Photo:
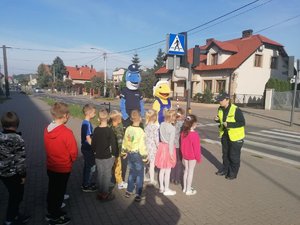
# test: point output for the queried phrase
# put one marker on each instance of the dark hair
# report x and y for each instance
(10, 119)
(188, 123)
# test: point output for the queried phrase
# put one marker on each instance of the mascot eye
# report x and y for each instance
(159, 86)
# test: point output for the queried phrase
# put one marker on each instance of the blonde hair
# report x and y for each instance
(87, 108)
(135, 116)
(103, 114)
(114, 115)
(59, 110)
(180, 111)
(170, 115)
(151, 116)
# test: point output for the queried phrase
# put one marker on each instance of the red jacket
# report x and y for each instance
(61, 148)
(190, 146)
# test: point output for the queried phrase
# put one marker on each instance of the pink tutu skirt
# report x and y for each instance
(163, 159)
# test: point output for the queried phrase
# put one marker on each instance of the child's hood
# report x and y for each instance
(53, 129)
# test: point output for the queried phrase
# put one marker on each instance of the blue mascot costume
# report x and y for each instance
(131, 96)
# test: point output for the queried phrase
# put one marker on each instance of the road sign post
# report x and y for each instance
(295, 92)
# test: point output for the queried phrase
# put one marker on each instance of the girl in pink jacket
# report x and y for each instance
(191, 152)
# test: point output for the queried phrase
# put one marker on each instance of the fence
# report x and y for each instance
(249, 100)
(284, 100)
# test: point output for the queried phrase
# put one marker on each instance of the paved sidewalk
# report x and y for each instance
(266, 191)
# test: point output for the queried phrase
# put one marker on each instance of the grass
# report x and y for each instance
(75, 110)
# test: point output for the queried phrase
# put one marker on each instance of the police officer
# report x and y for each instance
(232, 132)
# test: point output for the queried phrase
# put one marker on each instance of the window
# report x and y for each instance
(221, 86)
(208, 85)
(214, 59)
(258, 60)
(274, 62)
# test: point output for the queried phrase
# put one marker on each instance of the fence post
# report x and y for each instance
(268, 99)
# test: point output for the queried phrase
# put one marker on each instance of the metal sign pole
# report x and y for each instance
(295, 92)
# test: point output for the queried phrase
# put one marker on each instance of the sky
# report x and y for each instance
(80, 31)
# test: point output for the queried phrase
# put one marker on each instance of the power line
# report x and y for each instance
(194, 28)
(276, 24)
(48, 50)
(231, 17)
(145, 46)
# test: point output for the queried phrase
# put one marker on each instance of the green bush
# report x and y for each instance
(279, 85)
(207, 96)
(198, 97)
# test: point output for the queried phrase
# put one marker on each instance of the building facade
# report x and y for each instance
(241, 67)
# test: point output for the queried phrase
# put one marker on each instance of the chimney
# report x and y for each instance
(92, 67)
(247, 33)
(76, 67)
(209, 40)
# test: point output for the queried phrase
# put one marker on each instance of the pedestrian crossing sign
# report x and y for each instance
(176, 44)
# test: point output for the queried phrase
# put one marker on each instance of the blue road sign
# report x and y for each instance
(176, 44)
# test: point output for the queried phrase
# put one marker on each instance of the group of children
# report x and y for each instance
(109, 149)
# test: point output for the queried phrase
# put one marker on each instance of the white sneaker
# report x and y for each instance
(122, 185)
(146, 179)
(63, 205)
(169, 192)
(153, 182)
(161, 191)
(184, 190)
(66, 197)
(191, 192)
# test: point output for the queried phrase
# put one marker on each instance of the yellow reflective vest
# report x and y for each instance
(235, 134)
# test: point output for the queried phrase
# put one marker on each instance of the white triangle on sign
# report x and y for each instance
(176, 45)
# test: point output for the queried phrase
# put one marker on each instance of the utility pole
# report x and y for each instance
(5, 71)
(105, 68)
(105, 61)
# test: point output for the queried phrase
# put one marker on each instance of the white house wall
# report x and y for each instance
(251, 80)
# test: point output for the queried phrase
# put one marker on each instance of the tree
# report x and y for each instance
(97, 83)
(136, 60)
(148, 80)
(159, 61)
(44, 78)
(58, 68)
(68, 84)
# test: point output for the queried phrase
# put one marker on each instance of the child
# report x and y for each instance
(117, 127)
(191, 152)
(134, 148)
(61, 152)
(104, 144)
(12, 166)
(88, 155)
(152, 140)
(166, 154)
(177, 172)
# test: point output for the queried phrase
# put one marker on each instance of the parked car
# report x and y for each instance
(38, 90)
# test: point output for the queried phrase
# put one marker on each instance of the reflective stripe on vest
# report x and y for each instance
(234, 134)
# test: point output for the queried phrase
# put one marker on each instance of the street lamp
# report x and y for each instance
(105, 61)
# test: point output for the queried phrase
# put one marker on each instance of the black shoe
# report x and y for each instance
(230, 177)
(59, 221)
(137, 198)
(221, 173)
(89, 189)
(21, 219)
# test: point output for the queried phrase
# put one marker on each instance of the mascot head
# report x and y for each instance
(133, 77)
(162, 89)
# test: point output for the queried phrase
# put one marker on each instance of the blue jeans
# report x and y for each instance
(136, 173)
(89, 167)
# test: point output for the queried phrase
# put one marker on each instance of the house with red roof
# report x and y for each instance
(81, 74)
(241, 67)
